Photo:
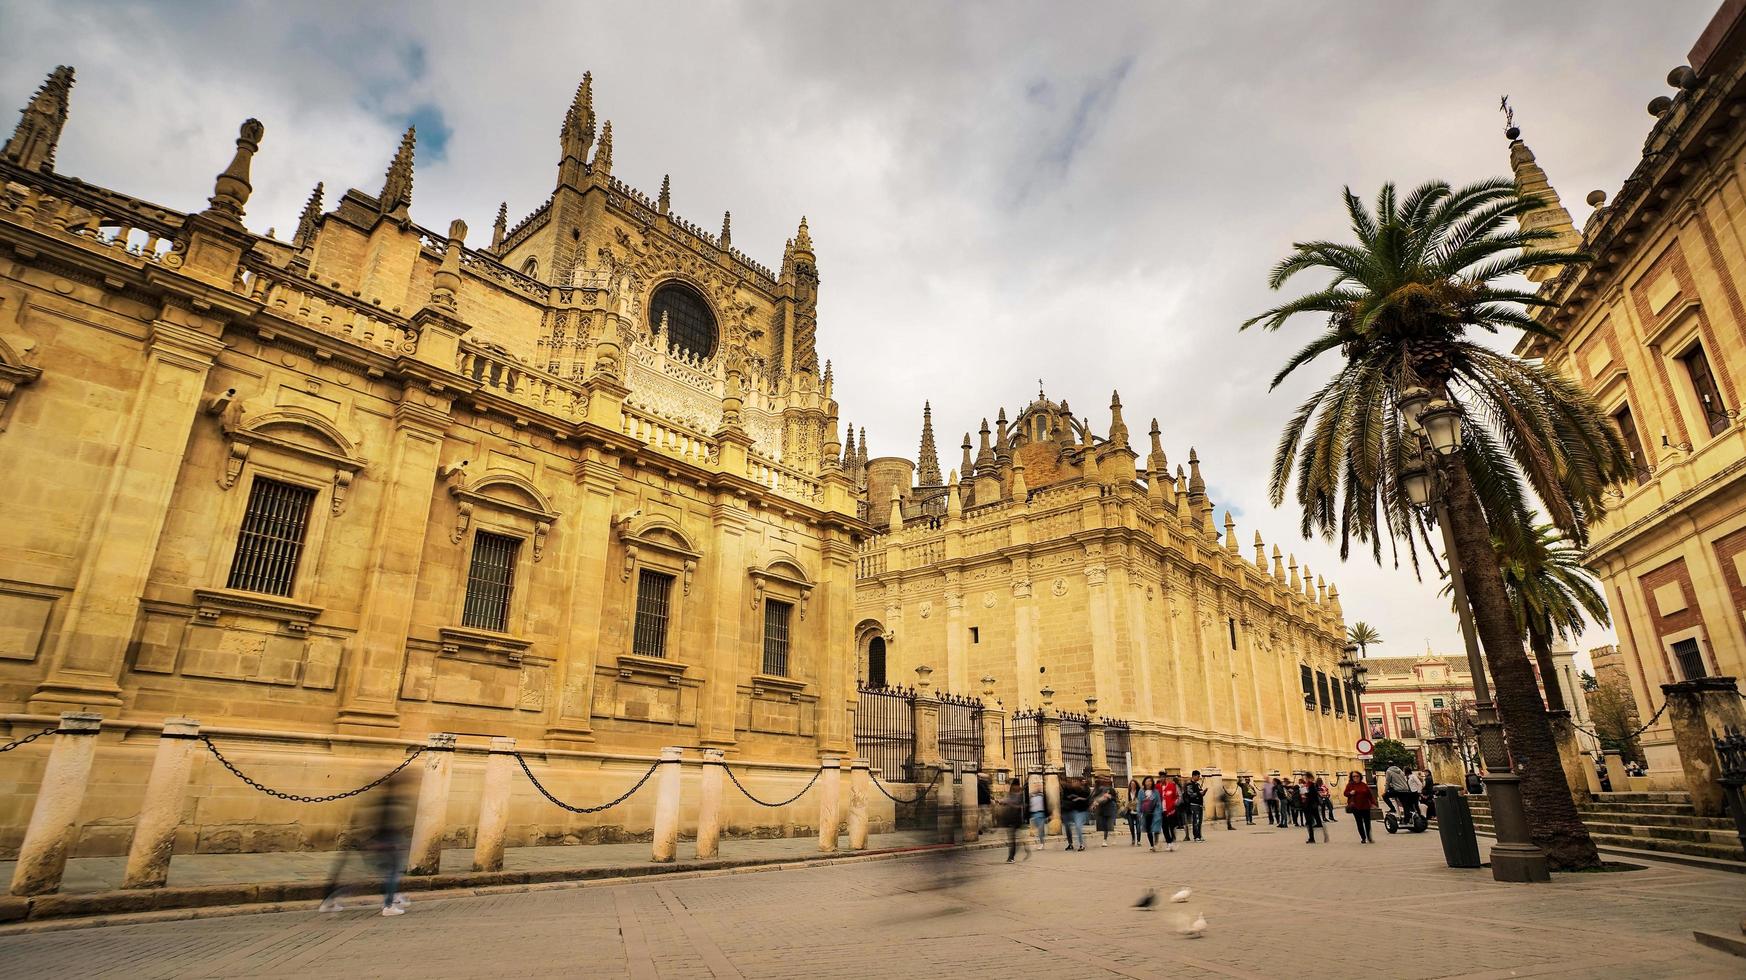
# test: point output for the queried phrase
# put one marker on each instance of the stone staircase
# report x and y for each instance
(1660, 822)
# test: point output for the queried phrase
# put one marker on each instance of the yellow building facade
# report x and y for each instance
(1655, 328)
(1048, 561)
(580, 487)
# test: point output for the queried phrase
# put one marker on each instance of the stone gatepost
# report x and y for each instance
(494, 805)
(1696, 709)
(1444, 762)
(860, 795)
(1616, 772)
(425, 856)
(925, 718)
(1570, 756)
(1049, 725)
(969, 804)
(709, 804)
(54, 821)
(160, 813)
(1094, 732)
(664, 843)
(830, 787)
(993, 733)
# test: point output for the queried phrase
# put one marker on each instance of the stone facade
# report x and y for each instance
(1048, 560)
(328, 495)
(1655, 328)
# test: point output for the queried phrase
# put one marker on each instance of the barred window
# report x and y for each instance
(1322, 690)
(690, 325)
(653, 591)
(776, 617)
(1309, 686)
(1690, 659)
(490, 580)
(271, 541)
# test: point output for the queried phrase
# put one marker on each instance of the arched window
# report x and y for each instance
(531, 268)
(876, 662)
(690, 325)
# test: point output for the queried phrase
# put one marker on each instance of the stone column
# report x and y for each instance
(1444, 762)
(1049, 724)
(588, 536)
(957, 660)
(664, 844)
(860, 794)
(970, 804)
(1695, 710)
(1570, 755)
(91, 643)
(54, 820)
(160, 813)
(494, 805)
(377, 654)
(709, 804)
(830, 787)
(993, 732)
(836, 626)
(425, 856)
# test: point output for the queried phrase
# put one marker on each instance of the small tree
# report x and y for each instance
(1391, 752)
(1614, 713)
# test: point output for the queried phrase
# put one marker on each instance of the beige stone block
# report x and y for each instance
(1669, 598)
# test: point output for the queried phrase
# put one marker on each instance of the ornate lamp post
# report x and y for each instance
(1437, 425)
(1353, 673)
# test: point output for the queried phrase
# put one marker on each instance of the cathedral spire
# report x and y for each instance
(232, 188)
(500, 227)
(602, 165)
(1260, 552)
(985, 454)
(577, 136)
(862, 462)
(307, 221)
(1531, 181)
(803, 238)
(968, 466)
(1118, 429)
(1003, 440)
(849, 450)
(1156, 462)
(928, 460)
(33, 142)
(396, 194)
(727, 229)
(665, 203)
(1196, 485)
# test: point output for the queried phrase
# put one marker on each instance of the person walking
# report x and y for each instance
(1076, 809)
(1194, 805)
(1103, 806)
(1131, 811)
(1010, 812)
(1310, 803)
(1149, 804)
(1360, 800)
(1324, 800)
(1171, 798)
(1291, 804)
(1038, 809)
(1247, 789)
(1270, 798)
(384, 824)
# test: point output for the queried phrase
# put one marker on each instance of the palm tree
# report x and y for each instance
(1362, 634)
(1400, 309)
(1552, 595)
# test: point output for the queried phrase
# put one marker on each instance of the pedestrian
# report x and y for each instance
(1228, 800)
(1428, 795)
(1311, 806)
(1360, 800)
(1400, 792)
(1103, 806)
(1247, 788)
(1075, 809)
(1009, 814)
(1194, 805)
(1324, 800)
(1131, 811)
(1038, 809)
(383, 823)
(1292, 804)
(1148, 803)
(1170, 796)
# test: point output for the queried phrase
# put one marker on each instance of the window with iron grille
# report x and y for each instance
(776, 616)
(1691, 659)
(1309, 686)
(1627, 424)
(1703, 382)
(1351, 700)
(490, 579)
(653, 591)
(690, 325)
(1407, 726)
(1322, 690)
(271, 541)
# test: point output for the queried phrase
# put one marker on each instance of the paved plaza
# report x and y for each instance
(1274, 907)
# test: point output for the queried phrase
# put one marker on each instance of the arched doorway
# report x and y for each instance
(876, 662)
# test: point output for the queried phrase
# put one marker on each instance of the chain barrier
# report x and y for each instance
(1646, 725)
(295, 798)
(584, 809)
(26, 740)
(736, 781)
(918, 797)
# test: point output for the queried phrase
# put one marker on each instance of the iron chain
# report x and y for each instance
(585, 809)
(929, 788)
(26, 740)
(1646, 725)
(754, 799)
(296, 798)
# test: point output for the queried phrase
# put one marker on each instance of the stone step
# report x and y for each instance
(1612, 815)
(1729, 851)
(1666, 797)
(1610, 807)
(1698, 834)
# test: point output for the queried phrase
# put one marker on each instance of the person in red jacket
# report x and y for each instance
(1172, 794)
(1360, 799)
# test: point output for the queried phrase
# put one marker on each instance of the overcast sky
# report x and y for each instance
(1087, 194)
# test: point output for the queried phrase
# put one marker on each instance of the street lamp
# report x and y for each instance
(1437, 425)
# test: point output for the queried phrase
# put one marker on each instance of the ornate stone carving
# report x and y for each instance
(1060, 587)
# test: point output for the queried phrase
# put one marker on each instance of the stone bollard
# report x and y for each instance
(1616, 772)
(425, 856)
(55, 819)
(664, 845)
(970, 805)
(860, 794)
(494, 805)
(1695, 710)
(830, 786)
(709, 804)
(160, 813)
(1052, 798)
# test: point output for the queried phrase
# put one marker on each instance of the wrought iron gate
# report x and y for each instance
(1075, 744)
(961, 730)
(885, 731)
(1024, 742)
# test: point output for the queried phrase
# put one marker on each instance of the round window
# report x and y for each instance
(690, 325)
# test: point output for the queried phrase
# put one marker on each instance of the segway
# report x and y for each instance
(1393, 822)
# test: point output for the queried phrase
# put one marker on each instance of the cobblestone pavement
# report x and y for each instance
(1274, 907)
(92, 874)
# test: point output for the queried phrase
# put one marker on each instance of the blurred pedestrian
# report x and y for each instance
(1360, 800)
(1194, 806)
(1010, 812)
(1131, 811)
(1038, 809)
(1104, 803)
(1170, 798)
(1150, 805)
(1075, 809)
(1324, 799)
(1311, 806)
(1270, 796)
(1247, 789)
(383, 825)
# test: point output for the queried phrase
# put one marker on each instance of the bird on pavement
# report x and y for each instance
(1147, 900)
(1195, 929)
(1182, 896)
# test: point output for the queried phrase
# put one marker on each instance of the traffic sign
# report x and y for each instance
(1365, 747)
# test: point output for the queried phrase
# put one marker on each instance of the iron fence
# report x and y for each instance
(1117, 743)
(961, 730)
(885, 730)
(1075, 744)
(1024, 742)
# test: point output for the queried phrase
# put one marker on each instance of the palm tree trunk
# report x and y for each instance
(1542, 646)
(1553, 822)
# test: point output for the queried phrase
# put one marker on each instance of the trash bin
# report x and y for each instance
(1455, 827)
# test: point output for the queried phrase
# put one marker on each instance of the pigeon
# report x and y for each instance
(1195, 929)
(1182, 896)
(1147, 900)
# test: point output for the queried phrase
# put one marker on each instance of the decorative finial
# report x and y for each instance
(727, 229)
(500, 227)
(396, 194)
(33, 142)
(1511, 132)
(803, 238)
(602, 165)
(665, 204)
(231, 190)
(928, 459)
(446, 283)
(307, 221)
